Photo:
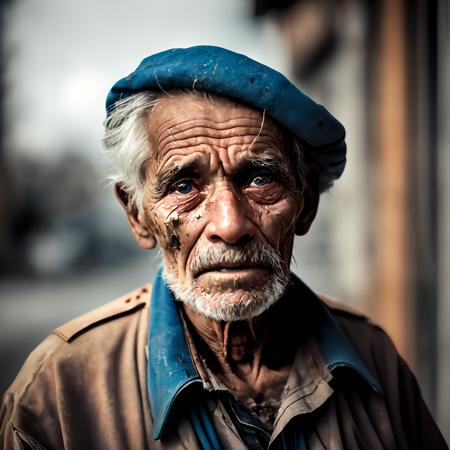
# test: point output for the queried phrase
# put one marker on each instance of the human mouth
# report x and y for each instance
(234, 267)
(233, 277)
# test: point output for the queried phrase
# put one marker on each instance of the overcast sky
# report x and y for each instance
(65, 55)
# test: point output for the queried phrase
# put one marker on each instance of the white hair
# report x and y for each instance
(126, 142)
(231, 304)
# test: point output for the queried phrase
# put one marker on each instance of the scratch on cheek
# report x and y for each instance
(171, 222)
(172, 218)
(174, 242)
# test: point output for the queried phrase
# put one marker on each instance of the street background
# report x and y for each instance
(381, 240)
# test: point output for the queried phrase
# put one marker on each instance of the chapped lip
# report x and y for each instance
(231, 266)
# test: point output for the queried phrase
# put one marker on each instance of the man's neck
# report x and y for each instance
(252, 357)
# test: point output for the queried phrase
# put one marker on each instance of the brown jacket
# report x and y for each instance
(85, 387)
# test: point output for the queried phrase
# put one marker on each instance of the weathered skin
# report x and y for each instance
(222, 206)
(221, 198)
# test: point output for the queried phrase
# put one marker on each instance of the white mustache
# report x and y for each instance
(251, 254)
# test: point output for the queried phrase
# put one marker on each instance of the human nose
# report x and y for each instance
(228, 219)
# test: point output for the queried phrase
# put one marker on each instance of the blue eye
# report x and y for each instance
(184, 187)
(260, 180)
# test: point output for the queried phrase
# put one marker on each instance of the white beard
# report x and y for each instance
(232, 305)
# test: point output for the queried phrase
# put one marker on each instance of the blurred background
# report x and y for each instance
(381, 241)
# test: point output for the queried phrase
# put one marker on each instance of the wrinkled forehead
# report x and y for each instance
(175, 112)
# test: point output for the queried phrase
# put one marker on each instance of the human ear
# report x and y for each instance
(310, 199)
(136, 219)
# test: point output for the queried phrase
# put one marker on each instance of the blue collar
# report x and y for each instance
(170, 366)
(336, 348)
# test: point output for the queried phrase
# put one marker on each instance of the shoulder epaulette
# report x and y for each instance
(123, 305)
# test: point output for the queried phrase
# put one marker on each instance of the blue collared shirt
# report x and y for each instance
(171, 369)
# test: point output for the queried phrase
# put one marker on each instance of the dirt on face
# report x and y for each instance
(220, 175)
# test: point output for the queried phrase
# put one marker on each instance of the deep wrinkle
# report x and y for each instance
(250, 166)
(174, 133)
(211, 160)
(221, 179)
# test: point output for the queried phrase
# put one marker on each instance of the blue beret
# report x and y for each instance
(226, 73)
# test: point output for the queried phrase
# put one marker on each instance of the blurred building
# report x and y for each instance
(391, 225)
(381, 241)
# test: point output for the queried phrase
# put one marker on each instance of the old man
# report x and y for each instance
(220, 160)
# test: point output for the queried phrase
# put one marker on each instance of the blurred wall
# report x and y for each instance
(380, 241)
(383, 68)
(65, 246)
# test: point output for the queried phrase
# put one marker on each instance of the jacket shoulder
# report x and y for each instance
(367, 336)
(358, 327)
(123, 305)
(91, 360)
(340, 309)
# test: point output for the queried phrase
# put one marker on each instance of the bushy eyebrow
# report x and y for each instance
(274, 164)
(166, 177)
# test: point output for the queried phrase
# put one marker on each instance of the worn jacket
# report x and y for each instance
(125, 376)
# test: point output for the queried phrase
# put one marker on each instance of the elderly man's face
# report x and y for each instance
(221, 200)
